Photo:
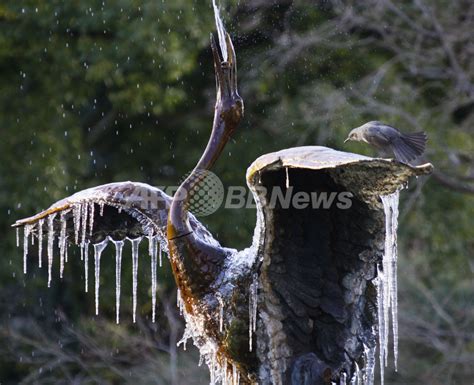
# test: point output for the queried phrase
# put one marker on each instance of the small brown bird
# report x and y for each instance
(406, 147)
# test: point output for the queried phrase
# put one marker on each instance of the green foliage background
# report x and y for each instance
(93, 92)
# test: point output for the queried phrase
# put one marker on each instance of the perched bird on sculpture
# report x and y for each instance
(405, 147)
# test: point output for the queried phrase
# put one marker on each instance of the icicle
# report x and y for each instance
(355, 380)
(391, 253)
(179, 302)
(101, 208)
(381, 321)
(62, 243)
(153, 249)
(40, 242)
(221, 314)
(159, 255)
(66, 257)
(212, 369)
(395, 325)
(17, 237)
(369, 369)
(86, 266)
(184, 339)
(287, 182)
(50, 245)
(224, 372)
(250, 323)
(118, 271)
(76, 212)
(26, 234)
(253, 301)
(84, 212)
(387, 278)
(91, 217)
(212, 379)
(343, 379)
(135, 246)
(235, 375)
(98, 249)
(150, 243)
(390, 286)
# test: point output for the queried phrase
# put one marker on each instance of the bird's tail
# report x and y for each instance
(409, 146)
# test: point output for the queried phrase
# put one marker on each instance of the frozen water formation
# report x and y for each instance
(303, 304)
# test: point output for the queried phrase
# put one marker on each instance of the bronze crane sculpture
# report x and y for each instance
(299, 306)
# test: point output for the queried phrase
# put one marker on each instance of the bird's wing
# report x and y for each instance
(402, 152)
(408, 147)
(379, 138)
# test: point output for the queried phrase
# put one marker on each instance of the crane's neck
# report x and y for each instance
(196, 262)
(225, 121)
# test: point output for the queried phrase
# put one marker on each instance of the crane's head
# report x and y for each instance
(229, 104)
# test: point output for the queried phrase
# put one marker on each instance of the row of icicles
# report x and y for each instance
(83, 216)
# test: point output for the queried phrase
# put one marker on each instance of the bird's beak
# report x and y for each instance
(347, 140)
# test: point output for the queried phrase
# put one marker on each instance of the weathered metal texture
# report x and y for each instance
(317, 306)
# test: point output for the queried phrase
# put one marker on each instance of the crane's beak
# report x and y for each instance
(347, 139)
(226, 71)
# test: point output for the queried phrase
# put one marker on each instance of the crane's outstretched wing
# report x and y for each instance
(116, 210)
(318, 259)
(110, 213)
